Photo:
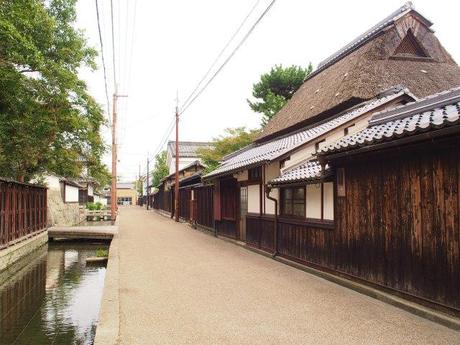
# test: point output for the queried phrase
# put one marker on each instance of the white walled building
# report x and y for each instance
(188, 153)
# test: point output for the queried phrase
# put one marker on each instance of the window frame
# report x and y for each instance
(283, 200)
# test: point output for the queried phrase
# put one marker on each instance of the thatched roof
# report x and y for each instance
(371, 63)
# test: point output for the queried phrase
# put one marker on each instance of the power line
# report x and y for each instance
(103, 63)
(113, 46)
(222, 51)
(185, 106)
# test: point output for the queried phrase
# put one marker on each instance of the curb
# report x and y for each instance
(108, 326)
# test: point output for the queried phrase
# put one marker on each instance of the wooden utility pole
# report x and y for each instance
(148, 189)
(114, 200)
(176, 186)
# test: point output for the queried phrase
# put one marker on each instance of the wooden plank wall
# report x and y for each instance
(184, 203)
(23, 211)
(204, 206)
(397, 226)
(260, 231)
(229, 193)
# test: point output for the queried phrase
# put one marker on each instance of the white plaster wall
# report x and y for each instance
(269, 204)
(183, 162)
(71, 194)
(241, 176)
(300, 155)
(101, 199)
(272, 171)
(328, 196)
(254, 198)
(313, 207)
(53, 182)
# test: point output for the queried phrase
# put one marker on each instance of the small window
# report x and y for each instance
(317, 144)
(340, 182)
(346, 131)
(255, 174)
(293, 201)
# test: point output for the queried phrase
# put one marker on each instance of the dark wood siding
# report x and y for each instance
(204, 206)
(260, 231)
(229, 196)
(397, 225)
(184, 203)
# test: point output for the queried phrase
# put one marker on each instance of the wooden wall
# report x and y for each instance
(397, 226)
(184, 203)
(204, 206)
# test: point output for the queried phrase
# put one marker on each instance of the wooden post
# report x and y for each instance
(113, 205)
(176, 186)
(148, 178)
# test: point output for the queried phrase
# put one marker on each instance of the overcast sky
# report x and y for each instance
(164, 47)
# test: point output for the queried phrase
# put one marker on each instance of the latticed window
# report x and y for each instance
(409, 46)
(293, 201)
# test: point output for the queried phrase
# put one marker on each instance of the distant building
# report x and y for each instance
(126, 193)
(188, 153)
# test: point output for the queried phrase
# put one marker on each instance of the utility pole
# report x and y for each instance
(114, 201)
(148, 189)
(176, 186)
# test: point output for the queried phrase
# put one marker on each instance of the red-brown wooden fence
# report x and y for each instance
(22, 211)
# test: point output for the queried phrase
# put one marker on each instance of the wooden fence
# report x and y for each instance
(22, 211)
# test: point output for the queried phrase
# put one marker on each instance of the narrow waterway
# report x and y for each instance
(52, 296)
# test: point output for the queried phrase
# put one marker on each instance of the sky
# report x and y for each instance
(164, 48)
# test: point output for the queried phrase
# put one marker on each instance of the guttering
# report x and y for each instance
(275, 223)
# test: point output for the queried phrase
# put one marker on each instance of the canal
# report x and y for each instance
(52, 296)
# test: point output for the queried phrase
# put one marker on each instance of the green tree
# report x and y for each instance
(275, 88)
(48, 120)
(233, 140)
(160, 169)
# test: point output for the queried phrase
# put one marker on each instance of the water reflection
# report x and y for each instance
(54, 298)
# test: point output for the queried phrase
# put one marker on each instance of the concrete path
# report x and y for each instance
(181, 286)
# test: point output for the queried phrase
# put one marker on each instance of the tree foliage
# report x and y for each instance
(233, 140)
(48, 120)
(160, 169)
(275, 88)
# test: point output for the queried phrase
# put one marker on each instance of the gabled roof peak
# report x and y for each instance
(368, 35)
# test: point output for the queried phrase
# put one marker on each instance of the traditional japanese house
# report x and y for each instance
(261, 194)
(395, 188)
(188, 153)
(189, 176)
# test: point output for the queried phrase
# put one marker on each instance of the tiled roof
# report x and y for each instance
(188, 148)
(428, 114)
(188, 166)
(258, 154)
(307, 171)
(125, 185)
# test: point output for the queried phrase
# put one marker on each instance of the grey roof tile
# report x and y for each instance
(269, 151)
(307, 171)
(428, 114)
(188, 148)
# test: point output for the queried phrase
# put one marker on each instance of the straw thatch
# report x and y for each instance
(362, 71)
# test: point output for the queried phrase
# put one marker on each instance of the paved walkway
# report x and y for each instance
(181, 286)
